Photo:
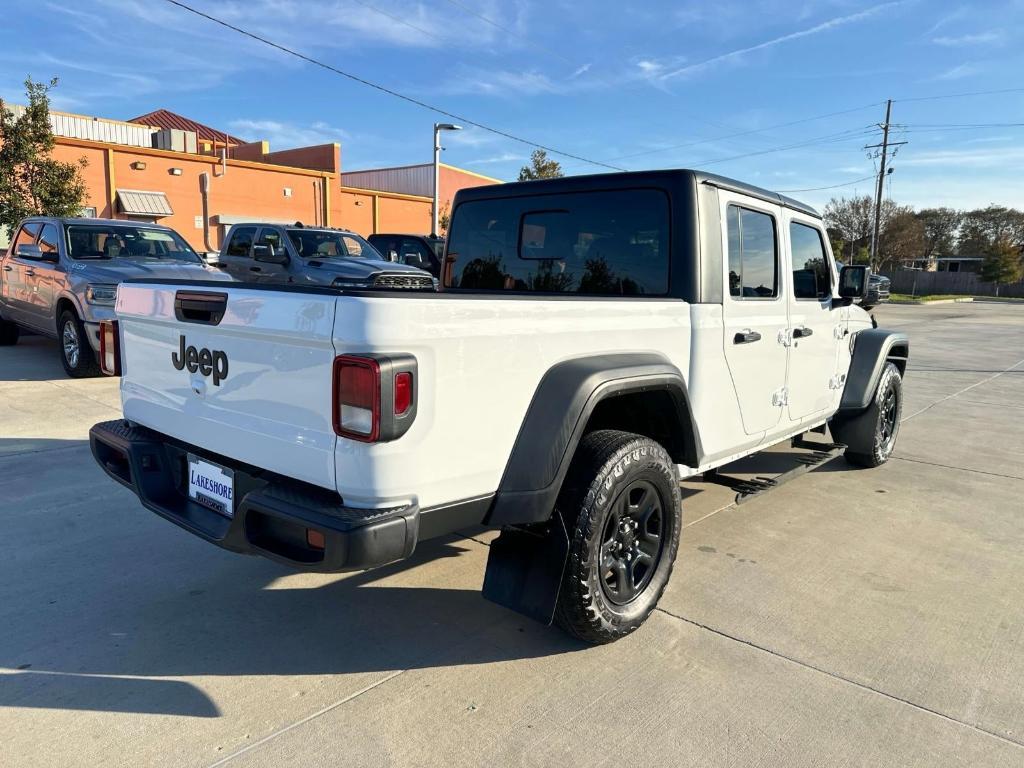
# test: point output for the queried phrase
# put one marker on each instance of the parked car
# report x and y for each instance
(878, 289)
(335, 431)
(59, 278)
(423, 251)
(276, 253)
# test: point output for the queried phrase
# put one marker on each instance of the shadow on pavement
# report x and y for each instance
(33, 358)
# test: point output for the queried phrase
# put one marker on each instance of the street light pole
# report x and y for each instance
(438, 127)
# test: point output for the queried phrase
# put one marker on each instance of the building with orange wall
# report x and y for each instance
(199, 183)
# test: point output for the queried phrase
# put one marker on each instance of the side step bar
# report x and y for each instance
(749, 488)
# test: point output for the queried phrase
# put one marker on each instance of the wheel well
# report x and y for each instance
(898, 355)
(63, 304)
(654, 414)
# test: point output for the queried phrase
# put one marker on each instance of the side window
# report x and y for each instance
(812, 275)
(48, 239)
(415, 254)
(270, 237)
(753, 254)
(26, 236)
(241, 242)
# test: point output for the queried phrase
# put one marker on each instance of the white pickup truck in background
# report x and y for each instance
(596, 338)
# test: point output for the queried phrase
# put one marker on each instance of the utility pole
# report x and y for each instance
(881, 179)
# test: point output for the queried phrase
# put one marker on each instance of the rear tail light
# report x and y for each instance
(110, 348)
(374, 396)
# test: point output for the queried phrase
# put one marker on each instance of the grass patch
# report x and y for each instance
(906, 298)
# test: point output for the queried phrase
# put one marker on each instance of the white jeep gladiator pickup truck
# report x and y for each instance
(596, 339)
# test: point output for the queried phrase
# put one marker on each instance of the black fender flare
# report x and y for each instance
(873, 348)
(557, 417)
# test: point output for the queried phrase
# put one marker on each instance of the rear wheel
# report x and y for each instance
(622, 506)
(9, 333)
(75, 352)
(870, 437)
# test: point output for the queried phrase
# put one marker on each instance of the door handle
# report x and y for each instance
(802, 333)
(30, 273)
(8, 268)
(746, 337)
(255, 269)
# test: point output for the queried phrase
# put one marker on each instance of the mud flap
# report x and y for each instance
(525, 568)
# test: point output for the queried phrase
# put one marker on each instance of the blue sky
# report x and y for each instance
(636, 85)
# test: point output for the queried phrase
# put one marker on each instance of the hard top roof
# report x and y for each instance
(597, 180)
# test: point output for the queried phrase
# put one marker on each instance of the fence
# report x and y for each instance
(920, 283)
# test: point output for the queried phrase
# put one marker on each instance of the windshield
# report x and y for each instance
(127, 242)
(327, 244)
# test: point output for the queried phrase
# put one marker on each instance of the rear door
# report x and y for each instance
(16, 273)
(237, 256)
(755, 310)
(815, 327)
(241, 372)
(44, 276)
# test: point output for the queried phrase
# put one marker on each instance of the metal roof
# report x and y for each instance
(138, 203)
(164, 118)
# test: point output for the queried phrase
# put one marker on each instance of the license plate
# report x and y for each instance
(211, 485)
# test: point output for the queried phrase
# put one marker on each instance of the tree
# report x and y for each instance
(984, 227)
(903, 239)
(444, 218)
(540, 167)
(851, 220)
(940, 230)
(32, 182)
(1003, 263)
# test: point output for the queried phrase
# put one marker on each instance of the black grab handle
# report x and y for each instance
(205, 308)
(746, 337)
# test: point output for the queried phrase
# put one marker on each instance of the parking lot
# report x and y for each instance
(850, 617)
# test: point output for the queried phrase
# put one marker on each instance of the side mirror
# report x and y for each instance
(29, 251)
(51, 256)
(269, 255)
(853, 282)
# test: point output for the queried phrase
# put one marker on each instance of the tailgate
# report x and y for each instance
(240, 372)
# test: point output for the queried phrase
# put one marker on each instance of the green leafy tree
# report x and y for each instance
(940, 230)
(540, 167)
(31, 181)
(1002, 264)
(983, 228)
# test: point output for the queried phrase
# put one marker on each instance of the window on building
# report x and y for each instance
(812, 274)
(753, 254)
(607, 243)
(241, 242)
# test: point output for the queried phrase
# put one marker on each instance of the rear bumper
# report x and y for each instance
(272, 514)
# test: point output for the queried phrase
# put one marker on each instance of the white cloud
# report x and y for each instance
(960, 71)
(739, 53)
(283, 135)
(978, 38)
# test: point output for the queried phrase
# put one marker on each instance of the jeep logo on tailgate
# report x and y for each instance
(202, 360)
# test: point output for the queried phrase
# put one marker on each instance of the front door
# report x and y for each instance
(816, 328)
(755, 311)
(267, 272)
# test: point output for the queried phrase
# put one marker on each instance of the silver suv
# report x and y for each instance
(59, 278)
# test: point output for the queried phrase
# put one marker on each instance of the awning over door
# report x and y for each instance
(136, 203)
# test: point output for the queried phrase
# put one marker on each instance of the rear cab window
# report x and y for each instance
(600, 243)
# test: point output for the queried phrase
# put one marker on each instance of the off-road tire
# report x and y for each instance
(9, 333)
(870, 436)
(85, 364)
(610, 466)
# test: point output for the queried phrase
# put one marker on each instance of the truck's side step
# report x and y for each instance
(748, 488)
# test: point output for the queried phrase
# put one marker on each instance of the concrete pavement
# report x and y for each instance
(851, 617)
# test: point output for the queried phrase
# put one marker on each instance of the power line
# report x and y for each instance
(833, 186)
(831, 138)
(388, 91)
(961, 95)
